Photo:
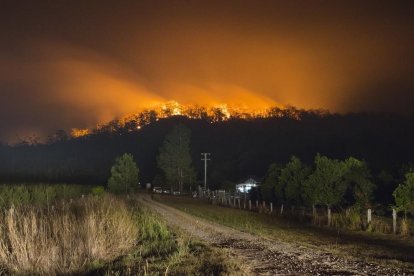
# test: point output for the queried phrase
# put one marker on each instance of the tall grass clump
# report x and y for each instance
(350, 219)
(24, 194)
(67, 238)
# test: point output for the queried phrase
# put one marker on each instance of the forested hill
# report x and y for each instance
(238, 147)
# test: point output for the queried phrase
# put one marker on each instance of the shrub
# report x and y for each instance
(98, 191)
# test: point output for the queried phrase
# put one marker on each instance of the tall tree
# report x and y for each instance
(358, 181)
(386, 184)
(326, 185)
(310, 192)
(174, 158)
(124, 174)
(292, 177)
(270, 188)
(404, 195)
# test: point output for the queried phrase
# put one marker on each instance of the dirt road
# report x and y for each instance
(263, 256)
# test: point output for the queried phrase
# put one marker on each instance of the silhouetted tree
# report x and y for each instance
(292, 177)
(358, 181)
(124, 174)
(217, 115)
(255, 194)
(386, 184)
(228, 186)
(158, 181)
(326, 185)
(174, 158)
(59, 136)
(404, 195)
(271, 188)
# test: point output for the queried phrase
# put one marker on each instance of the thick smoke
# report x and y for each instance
(76, 63)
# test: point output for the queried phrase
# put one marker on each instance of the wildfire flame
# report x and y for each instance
(219, 113)
(79, 132)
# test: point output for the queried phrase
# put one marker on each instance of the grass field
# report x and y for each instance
(94, 235)
(386, 249)
(165, 251)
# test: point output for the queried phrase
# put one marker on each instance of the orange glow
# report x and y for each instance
(79, 132)
(212, 114)
(89, 64)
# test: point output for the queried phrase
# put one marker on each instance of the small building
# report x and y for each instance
(247, 184)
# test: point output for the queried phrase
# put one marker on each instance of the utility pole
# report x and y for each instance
(205, 159)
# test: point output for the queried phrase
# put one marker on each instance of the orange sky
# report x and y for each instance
(75, 63)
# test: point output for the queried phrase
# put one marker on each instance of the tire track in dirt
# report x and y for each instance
(265, 256)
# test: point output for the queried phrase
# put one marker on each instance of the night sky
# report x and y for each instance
(72, 63)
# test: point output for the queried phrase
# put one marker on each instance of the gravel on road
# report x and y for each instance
(265, 256)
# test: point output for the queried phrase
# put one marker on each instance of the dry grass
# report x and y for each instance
(405, 228)
(165, 251)
(67, 238)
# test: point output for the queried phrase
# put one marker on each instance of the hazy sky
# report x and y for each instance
(74, 63)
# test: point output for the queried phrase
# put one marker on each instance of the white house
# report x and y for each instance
(246, 185)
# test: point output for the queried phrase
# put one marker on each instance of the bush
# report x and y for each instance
(98, 191)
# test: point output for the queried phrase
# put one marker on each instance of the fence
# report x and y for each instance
(368, 219)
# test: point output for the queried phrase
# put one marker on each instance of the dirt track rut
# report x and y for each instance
(264, 256)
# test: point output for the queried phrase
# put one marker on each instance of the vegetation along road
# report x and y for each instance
(264, 256)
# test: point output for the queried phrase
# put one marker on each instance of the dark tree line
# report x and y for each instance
(327, 182)
(239, 147)
(331, 183)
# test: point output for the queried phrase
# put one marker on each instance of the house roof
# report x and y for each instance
(250, 179)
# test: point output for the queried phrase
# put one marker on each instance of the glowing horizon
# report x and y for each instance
(78, 64)
(173, 108)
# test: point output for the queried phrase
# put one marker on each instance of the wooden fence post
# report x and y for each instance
(329, 217)
(257, 204)
(238, 202)
(369, 216)
(250, 204)
(281, 209)
(271, 207)
(394, 221)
